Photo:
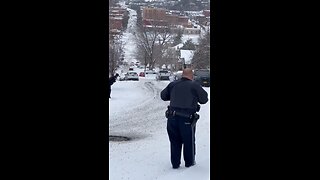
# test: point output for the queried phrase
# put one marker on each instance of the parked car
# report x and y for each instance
(131, 69)
(141, 74)
(163, 75)
(131, 75)
(150, 72)
(177, 75)
(202, 76)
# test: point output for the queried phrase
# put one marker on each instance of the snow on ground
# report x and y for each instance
(136, 111)
(193, 37)
(128, 37)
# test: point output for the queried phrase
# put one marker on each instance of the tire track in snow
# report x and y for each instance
(143, 119)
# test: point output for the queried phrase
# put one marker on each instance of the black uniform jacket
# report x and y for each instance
(184, 94)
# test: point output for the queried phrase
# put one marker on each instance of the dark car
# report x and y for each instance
(202, 76)
(141, 74)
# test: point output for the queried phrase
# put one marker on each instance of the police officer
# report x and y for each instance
(111, 81)
(184, 96)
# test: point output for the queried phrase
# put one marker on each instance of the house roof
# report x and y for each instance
(178, 46)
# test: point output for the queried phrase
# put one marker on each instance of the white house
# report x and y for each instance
(186, 57)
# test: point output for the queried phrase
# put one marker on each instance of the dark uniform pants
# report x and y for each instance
(181, 133)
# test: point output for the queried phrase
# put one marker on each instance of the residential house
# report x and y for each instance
(186, 57)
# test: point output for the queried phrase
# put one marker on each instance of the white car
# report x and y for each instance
(132, 75)
(150, 72)
(163, 75)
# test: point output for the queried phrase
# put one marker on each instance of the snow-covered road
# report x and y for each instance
(136, 111)
(128, 37)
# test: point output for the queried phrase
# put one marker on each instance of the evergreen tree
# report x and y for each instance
(189, 45)
(177, 39)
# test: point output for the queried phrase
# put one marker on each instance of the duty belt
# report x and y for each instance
(175, 113)
(171, 112)
(192, 117)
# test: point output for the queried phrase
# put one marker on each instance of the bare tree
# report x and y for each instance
(115, 44)
(201, 58)
(170, 57)
(177, 37)
(115, 52)
(151, 42)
